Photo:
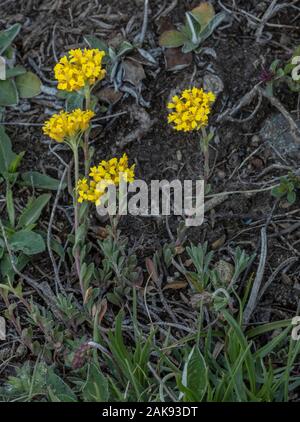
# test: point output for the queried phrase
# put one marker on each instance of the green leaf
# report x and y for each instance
(291, 197)
(271, 326)
(172, 39)
(188, 47)
(74, 100)
(28, 242)
(274, 65)
(41, 181)
(95, 42)
(124, 48)
(80, 236)
(6, 267)
(10, 206)
(58, 390)
(293, 85)
(8, 93)
(14, 165)
(244, 345)
(7, 156)
(271, 345)
(15, 71)
(212, 25)
(33, 210)
(96, 386)
(203, 14)
(195, 376)
(193, 28)
(7, 36)
(54, 244)
(28, 85)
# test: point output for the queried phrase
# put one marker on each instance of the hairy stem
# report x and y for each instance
(76, 216)
(87, 134)
(205, 150)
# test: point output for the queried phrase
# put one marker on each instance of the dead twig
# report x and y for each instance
(271, 10)
(145, 23)
(258, 279)
(278, 270)
(244, 101)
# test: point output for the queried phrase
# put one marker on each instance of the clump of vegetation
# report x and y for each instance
(97, 327)
(18, 83)
(288, 188)
(200, 23)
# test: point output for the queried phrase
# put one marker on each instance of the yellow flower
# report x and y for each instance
(87, 192)
(103, 175)
(190, 111)
(67, 125)
(79, 68)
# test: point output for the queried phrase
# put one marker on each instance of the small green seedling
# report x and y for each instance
(272, 76)
(200, 23)
(114, 56)
(289, 187)
(292, 71)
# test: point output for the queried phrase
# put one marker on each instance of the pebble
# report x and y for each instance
(221, 174)
(255, 140)
(276, 131)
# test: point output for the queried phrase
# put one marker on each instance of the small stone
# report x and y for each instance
(25, 107)
(286, 280)
(276, 131)
(221, 174)
(284, 39)
(213, 83)
(179, 155)
(255, 141)
(2, 329)
(225, 271)
(261, 6)
(257, 163)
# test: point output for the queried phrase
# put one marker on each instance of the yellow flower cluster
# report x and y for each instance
(191, 109)
(79, 68)
(67, 125)
(106, 173)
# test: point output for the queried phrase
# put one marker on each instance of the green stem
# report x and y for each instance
(76, 214)
(87, 93)
(205, 150)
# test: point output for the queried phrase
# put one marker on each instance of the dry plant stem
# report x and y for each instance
(267, 15)
(221, 194)
(145, 22)
(258, 279)
(279, 269)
